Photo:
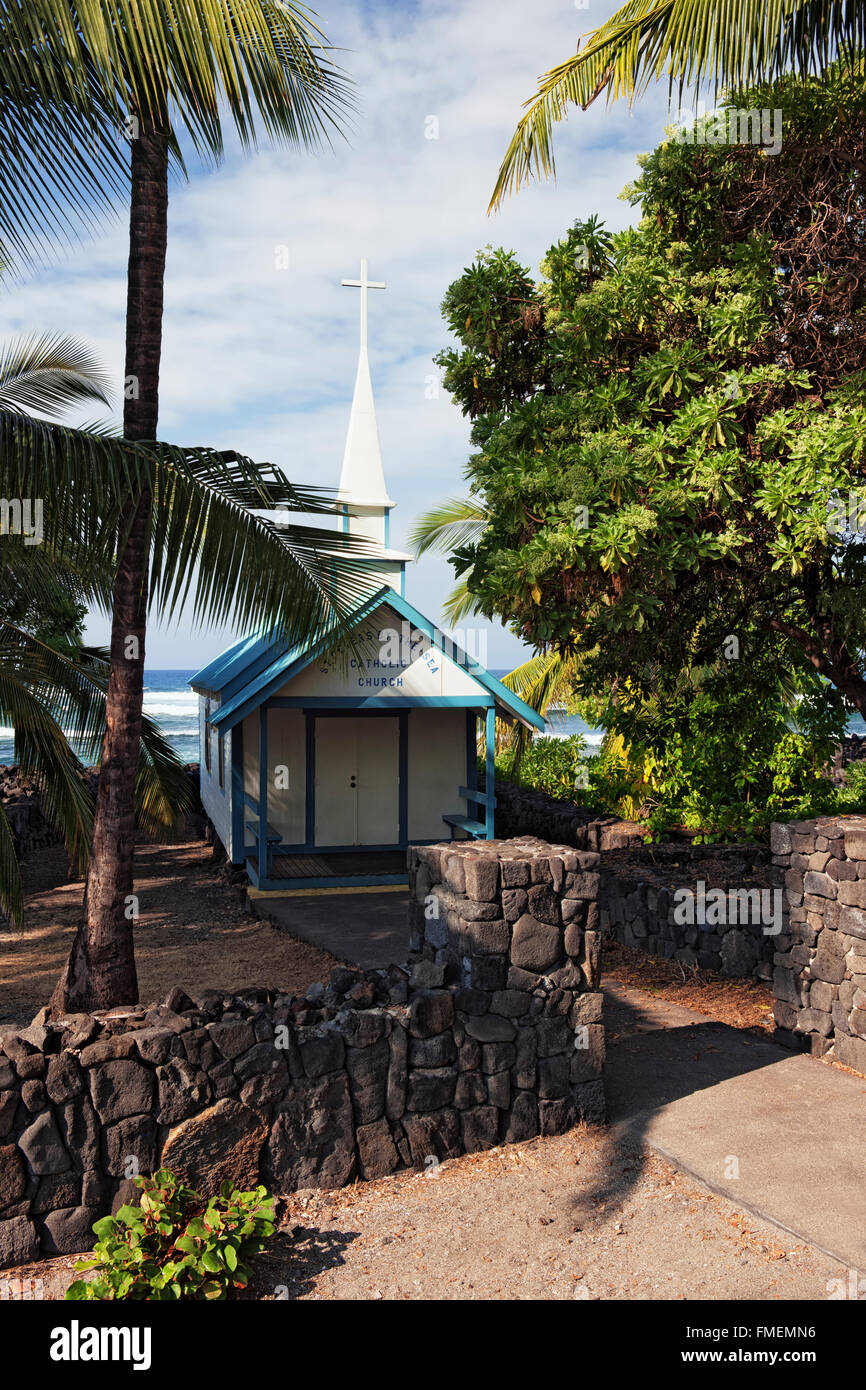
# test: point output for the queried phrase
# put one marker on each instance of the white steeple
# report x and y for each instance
(362, 479)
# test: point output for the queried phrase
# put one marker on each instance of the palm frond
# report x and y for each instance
(456, 522)
(47, 373)
(41, 746)
(302, 581)
(11, 894)
(721, 43)
(55, 700)
(162, 790)
(74, 79)
(460, 604)
(543, 680)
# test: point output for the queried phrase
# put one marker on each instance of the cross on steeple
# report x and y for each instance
(364, 285)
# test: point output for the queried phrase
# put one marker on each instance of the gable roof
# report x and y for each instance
(252, 670)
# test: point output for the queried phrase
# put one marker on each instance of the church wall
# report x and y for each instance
(373, 527)
(251, 767)
(286, 756)
(437, 768)
(287, 762)
(391, 665)
(215, 799)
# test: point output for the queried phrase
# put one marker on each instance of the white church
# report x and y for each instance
(320, 770)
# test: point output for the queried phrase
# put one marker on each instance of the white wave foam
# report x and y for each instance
(163, 706)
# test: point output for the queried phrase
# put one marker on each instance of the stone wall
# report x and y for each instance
(819, 981)
(373, 1072)
(19, 797)
(514, 927)
(638, 905)
(523, 811)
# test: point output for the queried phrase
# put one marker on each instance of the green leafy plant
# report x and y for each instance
(551, 765)
(176, 1244)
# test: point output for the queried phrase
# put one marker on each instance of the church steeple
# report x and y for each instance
(362, 479)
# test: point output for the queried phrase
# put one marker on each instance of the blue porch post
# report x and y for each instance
(472, 750)
(263, 792)
(237, 738)
(490, 770)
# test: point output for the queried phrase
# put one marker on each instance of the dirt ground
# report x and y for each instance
(574, 1217)
(192, 932)
(739, 1003)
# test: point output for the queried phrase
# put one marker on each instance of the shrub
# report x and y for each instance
(551, 765)
(176, 1244)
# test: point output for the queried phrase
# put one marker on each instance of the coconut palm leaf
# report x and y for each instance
(55, 700)
(723, 43)
(48, 373)
(163, 792)
(11, 894)
(459, 604)
(456, 522)
(545, 679)
(41, 746)
(74, 79)
(206, 540)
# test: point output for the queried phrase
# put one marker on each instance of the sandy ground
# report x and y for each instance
(572, 1217)
(739, 1003)
(192, 932)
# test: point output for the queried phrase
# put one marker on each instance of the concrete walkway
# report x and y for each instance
(362, 926)
(780, 1134)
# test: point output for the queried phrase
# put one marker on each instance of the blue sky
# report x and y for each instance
(262, 358)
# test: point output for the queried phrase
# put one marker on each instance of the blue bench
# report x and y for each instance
(474, 828)
(273, 838)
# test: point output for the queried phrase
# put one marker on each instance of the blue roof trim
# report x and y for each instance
(450, 647)
(233, 664)
(288, 664)
(253, 680)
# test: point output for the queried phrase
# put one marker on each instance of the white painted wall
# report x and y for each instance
(215, 799)
(286, 749)
(386, 666)
(437, 768)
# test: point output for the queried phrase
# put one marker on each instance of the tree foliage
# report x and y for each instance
(677, 467)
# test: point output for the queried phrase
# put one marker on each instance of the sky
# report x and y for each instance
(260, 339)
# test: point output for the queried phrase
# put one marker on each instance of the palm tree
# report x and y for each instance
(546, 678)
(444, 529)
(688, 41)
(53, 689)
(160, 72)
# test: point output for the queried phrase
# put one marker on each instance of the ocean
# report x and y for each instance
(169, 700)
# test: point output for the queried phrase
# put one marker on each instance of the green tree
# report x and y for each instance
(52, 687)
(691, 42)
(675, 475)
(73, 79)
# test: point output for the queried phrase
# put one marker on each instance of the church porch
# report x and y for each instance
(345, 786)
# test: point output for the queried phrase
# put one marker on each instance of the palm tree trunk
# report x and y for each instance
(101, 970)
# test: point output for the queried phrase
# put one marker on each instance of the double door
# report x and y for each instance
(357, 780)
